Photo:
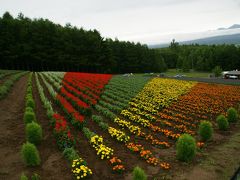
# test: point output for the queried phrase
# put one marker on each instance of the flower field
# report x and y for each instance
(105, 125)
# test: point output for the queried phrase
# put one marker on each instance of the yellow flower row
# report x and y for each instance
(135, 118)
(126, 124)
(159, 93)
(102, 150)
(142, 113)
(119, 135)
(79, 169)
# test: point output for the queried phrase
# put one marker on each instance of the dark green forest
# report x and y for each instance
(201, 57)
(41, 45)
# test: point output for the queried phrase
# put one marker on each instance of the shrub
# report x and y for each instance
(186, 148)
(205, 130)
(222, 122)
(29, 109)
(139, 174)
(88, 133)
(97, 119)
(217, 71)
(3, 91)
(29, 96)
(35, 176)
(30, 103)
(29, 90)
(30, 154)
(23, 177)
(103, 125)
(34, 133)
(232, 115)
(29, 117)
(70, 154)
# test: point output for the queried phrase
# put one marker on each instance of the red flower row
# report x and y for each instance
(79, 102)
(91, 84)
(62, 132)
(78, 118)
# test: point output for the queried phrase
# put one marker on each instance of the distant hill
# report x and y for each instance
(223, 39)
(234, 26)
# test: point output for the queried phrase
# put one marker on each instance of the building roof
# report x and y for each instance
(233, 73)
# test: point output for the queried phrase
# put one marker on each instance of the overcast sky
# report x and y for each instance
(147, 21)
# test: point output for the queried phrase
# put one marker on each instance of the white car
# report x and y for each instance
(232, 77)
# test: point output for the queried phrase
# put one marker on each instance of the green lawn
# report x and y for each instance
(173, 72)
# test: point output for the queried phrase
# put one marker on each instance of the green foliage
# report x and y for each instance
(29, 109)
(6, 86)
(70, 154)
(99, 121)
(103, 125)
(232, 115)
(3, 91)
(139, 174)
(88, 133)
(30, 103)
(222, 122)
(105, 112)
(30, 154)
(89, 51)
(34, 133)
(186, 148)
(23, 177)
(205, 130)
(29, 116)
(35, 176)
(217, 71)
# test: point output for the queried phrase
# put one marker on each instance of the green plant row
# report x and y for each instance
(114, 102)
(115, 96)
(119, 94)
(51, 90)
(55, 83)
(7, 85)
(33, 130)
(105, 112)
(98, 119)
(7, 73)
(109, 106)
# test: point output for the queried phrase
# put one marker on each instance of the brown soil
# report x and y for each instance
(12, 134)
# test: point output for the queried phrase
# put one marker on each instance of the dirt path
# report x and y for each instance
(12, 133)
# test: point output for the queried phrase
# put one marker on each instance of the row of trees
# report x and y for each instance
(201, 57)
(41, 45)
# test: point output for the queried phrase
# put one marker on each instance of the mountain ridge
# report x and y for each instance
(234, 26)
(220, 39)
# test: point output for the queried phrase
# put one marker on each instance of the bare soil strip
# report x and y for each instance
(12, 128)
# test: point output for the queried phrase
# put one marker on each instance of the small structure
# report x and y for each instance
(231, 74)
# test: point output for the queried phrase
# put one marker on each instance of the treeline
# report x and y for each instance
(201, 57)
(41, 45)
